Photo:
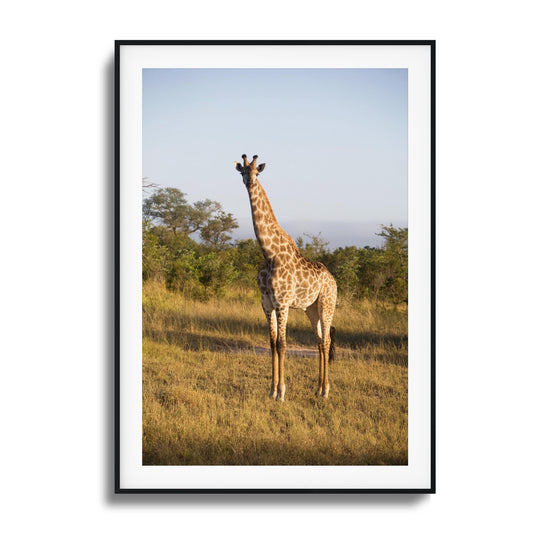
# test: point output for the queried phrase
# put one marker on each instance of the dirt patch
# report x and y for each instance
(292, 351)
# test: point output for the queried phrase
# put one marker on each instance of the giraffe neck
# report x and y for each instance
(269, 233)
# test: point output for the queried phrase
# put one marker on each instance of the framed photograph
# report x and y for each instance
(275, 284)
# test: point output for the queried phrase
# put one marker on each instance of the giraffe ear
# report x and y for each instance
(238, 166)
(261, 167)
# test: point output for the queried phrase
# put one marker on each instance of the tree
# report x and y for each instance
(147, 186)
(215, 232)
(248, 259)
(215, 273)
(169, 207)
(396, 262)
(155, 256)
(315, 249)
(370, 272)
(204, 269)
(395, 238)
(199, 213)
(344, 264)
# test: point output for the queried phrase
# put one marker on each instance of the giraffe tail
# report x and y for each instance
(332, 345)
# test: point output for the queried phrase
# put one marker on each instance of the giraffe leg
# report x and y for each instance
(326, 308)
(281, 344)
(312, 314)
(273, 329)
(273, 325)
(270, 314)
(326, 342)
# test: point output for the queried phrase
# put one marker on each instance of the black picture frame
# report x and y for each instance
(120, 487)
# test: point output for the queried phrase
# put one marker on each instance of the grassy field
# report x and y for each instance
(206, 379)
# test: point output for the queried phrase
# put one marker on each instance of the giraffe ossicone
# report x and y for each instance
(288, 280)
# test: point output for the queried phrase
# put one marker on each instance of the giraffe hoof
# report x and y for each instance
(318, 392)
(272, 394)
(281, 393)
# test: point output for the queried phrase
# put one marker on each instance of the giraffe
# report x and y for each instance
(289, 280)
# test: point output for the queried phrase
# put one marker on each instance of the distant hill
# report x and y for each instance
(338, 234)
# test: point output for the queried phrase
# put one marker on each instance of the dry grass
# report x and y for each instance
(205, 388)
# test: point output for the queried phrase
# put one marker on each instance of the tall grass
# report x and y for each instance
(206, 382)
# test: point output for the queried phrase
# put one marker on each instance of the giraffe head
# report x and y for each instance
(249, 171)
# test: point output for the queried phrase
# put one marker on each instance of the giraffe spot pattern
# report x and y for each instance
(288, 280)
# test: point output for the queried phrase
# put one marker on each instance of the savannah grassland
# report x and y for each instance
(206, 379)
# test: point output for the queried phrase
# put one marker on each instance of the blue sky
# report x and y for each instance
(334, 142)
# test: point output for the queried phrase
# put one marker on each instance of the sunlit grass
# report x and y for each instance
(205, 389)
